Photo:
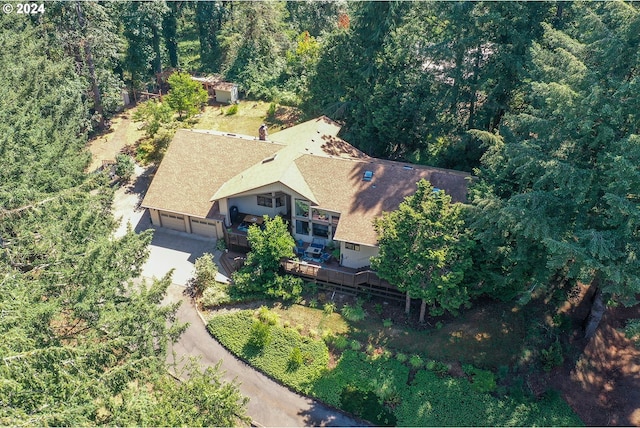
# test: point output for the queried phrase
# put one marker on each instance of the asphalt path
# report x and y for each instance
(270, 404)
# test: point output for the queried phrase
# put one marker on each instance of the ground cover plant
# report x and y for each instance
(275, 356)
(378, 383)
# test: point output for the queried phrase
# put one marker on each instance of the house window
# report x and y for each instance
(302, 227)
(319, 215)
(302, 208)
(280, 201)
(320, 230)
(351, 246)
(265, 201)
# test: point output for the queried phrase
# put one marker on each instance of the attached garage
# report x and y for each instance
(203, 227)
(173, 221)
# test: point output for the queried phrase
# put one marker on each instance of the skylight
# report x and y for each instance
(368, 175)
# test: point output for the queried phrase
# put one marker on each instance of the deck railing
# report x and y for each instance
(351, 282)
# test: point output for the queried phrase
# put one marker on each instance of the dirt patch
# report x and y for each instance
(603, 386)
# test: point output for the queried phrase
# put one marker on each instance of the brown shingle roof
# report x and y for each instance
(200, 165)
(196, 165)
(339, 186)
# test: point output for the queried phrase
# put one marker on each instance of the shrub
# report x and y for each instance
(416, 361)
(353, 313)
(221, 245)
(215, 295)
(285, 287)
(401, 357)
(355, 345)
(551, 357)
(124, 167)
(340, 343)
(387, 323)
(232, 110)
(367, 405)
(205, 276)
(295, 358)
(260, 335)
(313, 303)
(481, 380)
(632, 330)
(329, 308)
(266, 316)
(438, 367)
(377, 308)
(271, 112)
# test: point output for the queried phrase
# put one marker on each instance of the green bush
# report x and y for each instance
(401, 357)
(124, 167)
(340, 343)
(387, 323)
(367, 405)
(271, 112)
(205, 276)
(260, 334)
(551, 357)
(329, 308)
(353, 313)
(266, 316)
(295, 358)
(438, 367)
(232, 110)
(632, 331)
(416, 361)
(355, 345)
(215, 295)
(481, 380)
(221, 245)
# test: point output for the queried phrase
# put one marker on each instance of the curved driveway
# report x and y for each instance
(270, 404)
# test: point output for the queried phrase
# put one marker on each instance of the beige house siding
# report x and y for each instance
(359, 257)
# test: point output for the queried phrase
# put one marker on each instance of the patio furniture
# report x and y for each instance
(318, 243)
(325, 257)
(313, 252)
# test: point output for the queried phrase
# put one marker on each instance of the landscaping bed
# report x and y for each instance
(376, 382)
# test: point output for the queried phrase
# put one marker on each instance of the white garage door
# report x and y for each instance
(204, 228)
(173, 221)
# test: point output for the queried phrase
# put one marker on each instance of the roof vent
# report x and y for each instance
(269, 159)
(368, 176)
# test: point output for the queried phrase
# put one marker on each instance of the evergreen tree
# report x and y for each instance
(560, 188)
(424, 250)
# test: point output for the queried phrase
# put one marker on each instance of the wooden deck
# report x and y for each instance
(329, 275)
(343, 279)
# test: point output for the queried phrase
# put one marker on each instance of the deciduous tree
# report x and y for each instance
(186, 95)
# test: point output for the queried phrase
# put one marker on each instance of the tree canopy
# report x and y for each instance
(83, 343)
(186, 95)
(424, 250)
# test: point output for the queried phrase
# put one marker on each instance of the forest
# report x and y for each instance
(538, 100)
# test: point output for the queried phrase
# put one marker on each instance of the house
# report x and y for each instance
(219, 90)
(323, 186)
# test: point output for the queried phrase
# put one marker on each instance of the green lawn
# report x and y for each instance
(415, 395)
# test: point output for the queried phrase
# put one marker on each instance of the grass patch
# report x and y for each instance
(246, 120)
(243, 118)
(312, 319)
